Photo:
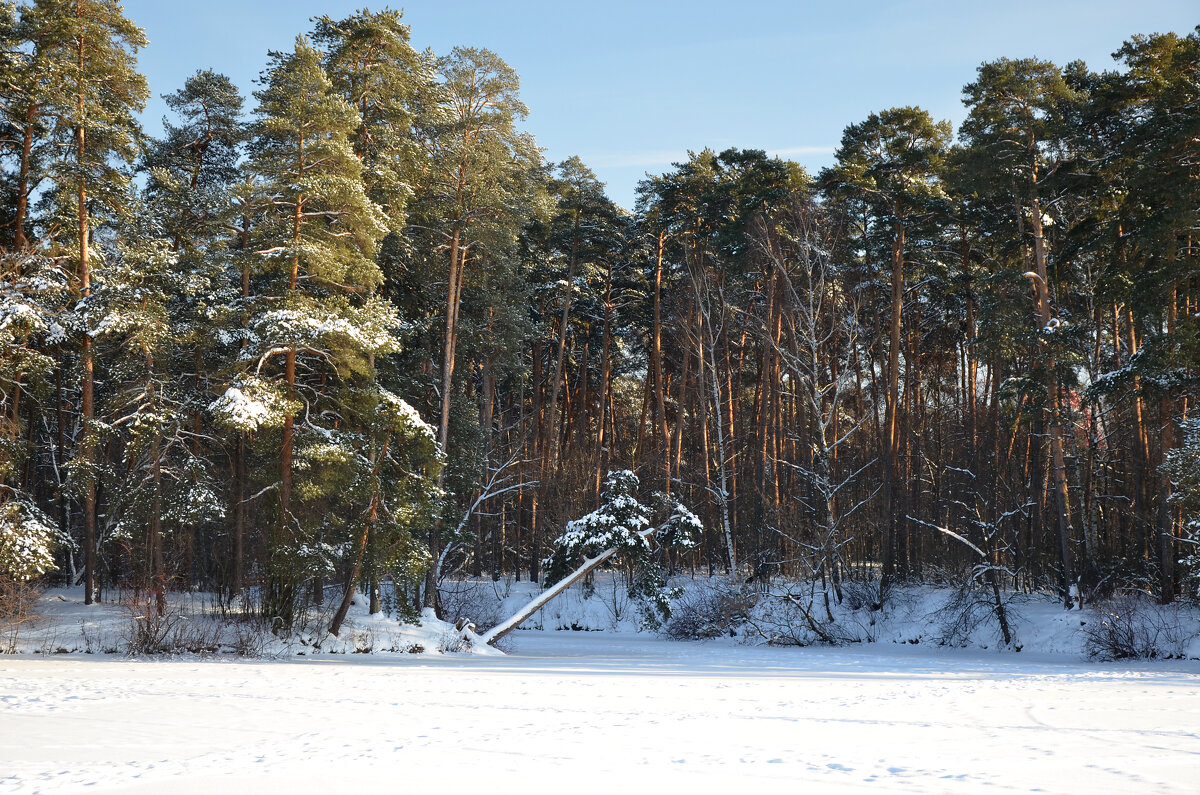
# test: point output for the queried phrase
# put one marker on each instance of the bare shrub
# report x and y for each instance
(199, 635)
(473, 601)
(452, 641)
(169, 632)
(148, 632)
(709, 611)
(970, 608)
(797, 614)
(18, 608)
(364, 641)
(615, 599)
(249, 637)
(92, 640)
(857, 594)
(52, 642)
(1134, 626)
(503, 586)
(311, 623)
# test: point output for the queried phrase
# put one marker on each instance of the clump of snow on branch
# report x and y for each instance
(250, 404)
(30, 299)
(401, 414)
(682, 528)
(617, 523)
(310, 328)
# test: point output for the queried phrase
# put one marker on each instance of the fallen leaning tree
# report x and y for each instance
(541, 600)
(621, 525)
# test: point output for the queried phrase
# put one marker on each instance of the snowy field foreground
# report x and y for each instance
(587, 712)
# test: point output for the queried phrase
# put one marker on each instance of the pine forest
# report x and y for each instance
(346, 333)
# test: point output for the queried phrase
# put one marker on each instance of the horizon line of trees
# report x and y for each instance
(366, 337)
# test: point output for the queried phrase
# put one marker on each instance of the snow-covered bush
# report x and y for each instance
(473, 601)
(28, 539)
(791, 614)
(681, 527)
(970, 609)
(1134, 626)
(33, 296)
(619, 523)
(710, 610)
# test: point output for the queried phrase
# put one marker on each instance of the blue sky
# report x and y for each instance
(631, 86)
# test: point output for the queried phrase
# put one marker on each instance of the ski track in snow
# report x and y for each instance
(594, 711)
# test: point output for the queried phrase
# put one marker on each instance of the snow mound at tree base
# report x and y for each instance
(59, 623)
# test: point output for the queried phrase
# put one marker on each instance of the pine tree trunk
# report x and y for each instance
(19, 241)
(87, 453)
(289, 369)
(656, 367)
(550, 442)
(239, 516)
(449, 344)
(237, 581)
(281, 592)
(339, 617)
(158, 584)
(891, 460)
(487, 408)
(1054, 417)
(603, 440)
(360, 552)
(1166, 529)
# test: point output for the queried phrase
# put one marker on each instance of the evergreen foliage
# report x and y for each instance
(365, 337)
(624, 524)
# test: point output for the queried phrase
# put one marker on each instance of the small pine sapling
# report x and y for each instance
(622, 524)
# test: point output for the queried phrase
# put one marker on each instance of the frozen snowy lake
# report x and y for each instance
(594, 711)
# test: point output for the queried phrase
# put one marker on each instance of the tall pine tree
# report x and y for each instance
(93, 95)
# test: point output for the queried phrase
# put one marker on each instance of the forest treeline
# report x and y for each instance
(354, 329)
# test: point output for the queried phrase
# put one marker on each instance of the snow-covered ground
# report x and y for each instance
(914, 615)
(591, 712)
(587, 711)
